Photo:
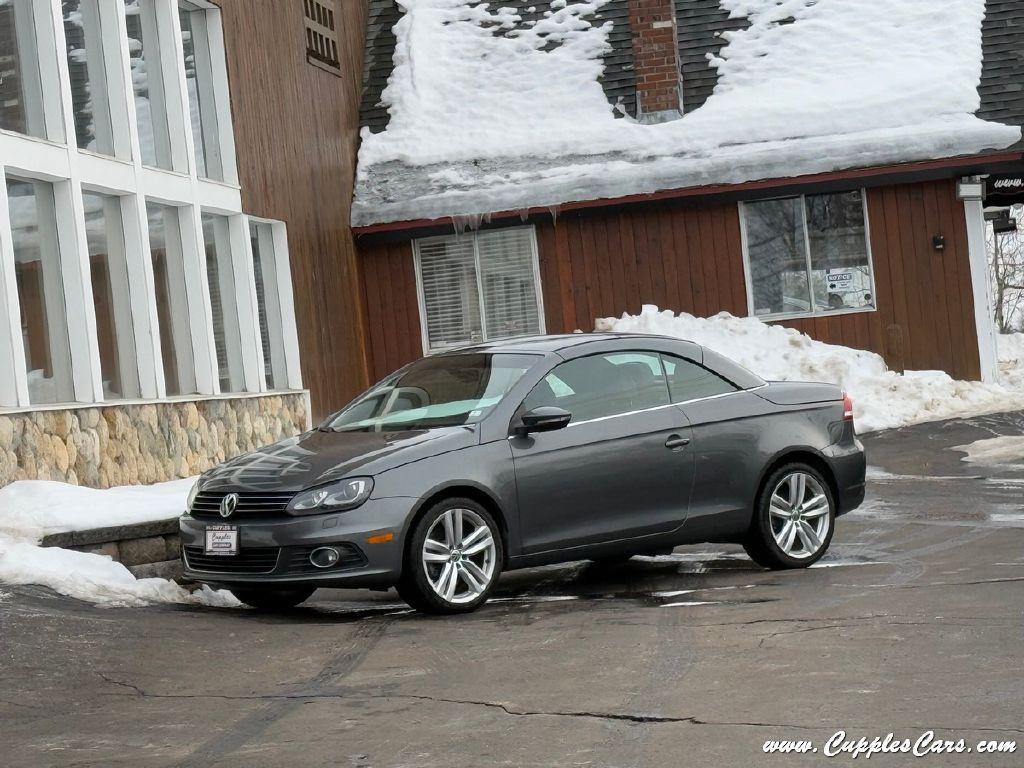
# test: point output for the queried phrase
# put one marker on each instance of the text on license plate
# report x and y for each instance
(222, 540)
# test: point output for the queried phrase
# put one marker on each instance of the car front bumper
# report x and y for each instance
(275, 552)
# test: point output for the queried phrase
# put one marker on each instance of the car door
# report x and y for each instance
(725, 442)
(620, 469)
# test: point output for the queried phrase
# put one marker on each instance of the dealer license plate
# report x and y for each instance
(222, 539)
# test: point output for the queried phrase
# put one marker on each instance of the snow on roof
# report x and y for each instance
(489, 112)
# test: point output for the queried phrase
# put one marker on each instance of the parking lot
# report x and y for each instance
(912, 622)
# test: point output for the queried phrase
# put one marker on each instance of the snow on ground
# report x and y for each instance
(809, 86)
(31, 509)
(994, 450)
(1010, 348)
(882, 398)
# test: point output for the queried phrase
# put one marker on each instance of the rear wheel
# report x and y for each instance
(793, 520)
(453, 560)
(273, 599)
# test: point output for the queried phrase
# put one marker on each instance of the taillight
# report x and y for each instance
(847, 407)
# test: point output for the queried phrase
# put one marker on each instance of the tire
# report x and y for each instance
(476, 570)
(273, 600)
(773, 513)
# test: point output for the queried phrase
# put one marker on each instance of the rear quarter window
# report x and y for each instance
(689, 381)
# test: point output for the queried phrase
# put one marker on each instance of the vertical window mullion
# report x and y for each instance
(807, 252)
(246, 310)
(142, 296)
(479, 286)
(197, 292)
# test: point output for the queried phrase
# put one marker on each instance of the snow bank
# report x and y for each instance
(882, 399)
(811, 85)
(31, 509)
(94, 578)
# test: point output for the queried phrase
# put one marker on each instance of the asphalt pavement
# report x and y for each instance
(912, 623)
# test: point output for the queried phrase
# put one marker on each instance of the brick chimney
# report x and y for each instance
(656, 58)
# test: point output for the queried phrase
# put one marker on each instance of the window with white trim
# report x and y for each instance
(808, 255)
(111, 295)
(195, 41)
(90, 29)
(478, 287)
(125, 271)
(27, 60)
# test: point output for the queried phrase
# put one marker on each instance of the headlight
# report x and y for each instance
(192, 497)
(337, 497)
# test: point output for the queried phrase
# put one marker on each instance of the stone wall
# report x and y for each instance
(104, 446)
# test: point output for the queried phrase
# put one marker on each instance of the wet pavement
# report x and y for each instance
(913, 622)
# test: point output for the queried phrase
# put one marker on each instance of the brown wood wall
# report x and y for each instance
(603, 263)
(296, 130)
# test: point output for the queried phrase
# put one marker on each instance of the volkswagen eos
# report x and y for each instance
(526, 452)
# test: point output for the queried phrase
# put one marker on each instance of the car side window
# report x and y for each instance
(603, 385)
(689, 381)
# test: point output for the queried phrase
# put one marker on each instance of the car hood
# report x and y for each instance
(316, 457)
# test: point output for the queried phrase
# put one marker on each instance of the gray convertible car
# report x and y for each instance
(525, 452)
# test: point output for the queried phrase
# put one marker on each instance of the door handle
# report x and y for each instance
(676, 441)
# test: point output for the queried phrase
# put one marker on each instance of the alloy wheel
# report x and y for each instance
(799, 514)
(459, 556)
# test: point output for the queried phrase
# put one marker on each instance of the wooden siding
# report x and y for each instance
(296, 130)
(601, 263)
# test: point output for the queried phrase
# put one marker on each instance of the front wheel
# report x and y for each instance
(793, 520)
(453, 559)
(273, 599)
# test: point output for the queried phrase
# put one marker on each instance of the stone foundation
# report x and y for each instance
(130, 444)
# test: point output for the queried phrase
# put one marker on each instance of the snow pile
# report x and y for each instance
(498, 113)
(31, 509)
(94, 578)
(1010, 348)
(882, 399)
(994, 450)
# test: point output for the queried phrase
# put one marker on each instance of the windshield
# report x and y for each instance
(442, 391)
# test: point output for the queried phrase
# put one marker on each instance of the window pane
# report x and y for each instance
(108, 265)
(21, 92)
(171, 301)
(689, 381)
(778, 256)
(509, 287)
(37, 269)
(86, 65)
(451, 296)
(199, 79)
(603, 385)
(150, 101)
(840, 268)
(221, 276)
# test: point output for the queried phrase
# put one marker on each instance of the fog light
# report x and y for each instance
(324, 557)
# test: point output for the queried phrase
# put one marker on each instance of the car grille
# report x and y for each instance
(251, 505)
(254, 560)
(297, 559)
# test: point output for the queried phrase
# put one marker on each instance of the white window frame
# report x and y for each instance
(71, 170)
(748, 273)
(421, 297)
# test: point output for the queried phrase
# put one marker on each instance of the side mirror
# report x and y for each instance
(546, 418)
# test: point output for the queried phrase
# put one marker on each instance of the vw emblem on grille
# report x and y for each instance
(228, 505)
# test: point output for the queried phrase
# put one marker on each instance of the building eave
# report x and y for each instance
(874, 176)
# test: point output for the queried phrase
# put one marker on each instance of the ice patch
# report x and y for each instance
(882, 399)
(994, 450)
(690, 603)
